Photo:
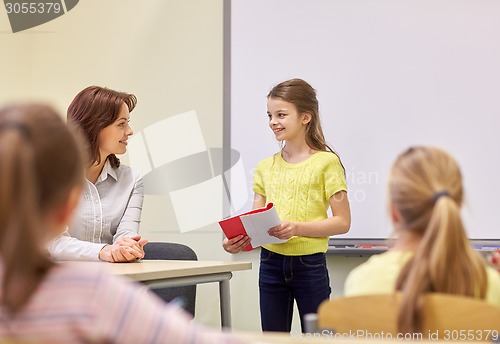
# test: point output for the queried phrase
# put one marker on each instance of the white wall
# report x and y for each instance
(389, 74)
(169, 53)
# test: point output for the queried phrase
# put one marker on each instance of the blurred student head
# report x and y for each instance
(41, 175)
(426, 194)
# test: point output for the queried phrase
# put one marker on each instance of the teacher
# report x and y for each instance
(106, 224)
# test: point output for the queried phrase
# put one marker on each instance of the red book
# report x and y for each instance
(254, 224)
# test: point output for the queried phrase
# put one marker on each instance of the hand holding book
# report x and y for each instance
(254, 224)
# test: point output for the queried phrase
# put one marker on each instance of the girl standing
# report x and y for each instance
(303, 180)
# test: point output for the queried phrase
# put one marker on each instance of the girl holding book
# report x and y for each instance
(303, 180)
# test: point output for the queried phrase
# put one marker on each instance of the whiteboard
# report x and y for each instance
(389, 74)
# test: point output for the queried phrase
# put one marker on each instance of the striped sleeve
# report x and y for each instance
(84, 303)
(129, 313)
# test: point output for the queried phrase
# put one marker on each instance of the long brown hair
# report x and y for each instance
(92, 110)
(303, 96)
(425, 186)
(41, 164)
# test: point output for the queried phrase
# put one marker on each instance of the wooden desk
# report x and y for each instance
(177, 273)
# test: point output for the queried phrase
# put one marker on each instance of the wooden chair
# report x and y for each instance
(446, 317)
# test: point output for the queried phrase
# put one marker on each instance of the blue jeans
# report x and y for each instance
(283, 279)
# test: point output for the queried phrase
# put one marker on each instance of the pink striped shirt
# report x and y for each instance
(85, 304)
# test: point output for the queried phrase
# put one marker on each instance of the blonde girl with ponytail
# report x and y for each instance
(432, 252)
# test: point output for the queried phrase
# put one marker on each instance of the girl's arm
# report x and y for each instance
(338, 224)
(237, 244)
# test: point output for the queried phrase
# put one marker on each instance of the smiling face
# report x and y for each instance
(113, 138)
(285, 121)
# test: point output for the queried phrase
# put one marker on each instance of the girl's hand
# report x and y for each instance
(236, 244)
(285, 230)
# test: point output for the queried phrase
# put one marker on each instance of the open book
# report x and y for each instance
(255, 224)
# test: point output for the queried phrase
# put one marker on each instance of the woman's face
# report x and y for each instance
(113, 139)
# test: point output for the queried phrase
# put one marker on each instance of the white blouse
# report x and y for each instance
(108, 210)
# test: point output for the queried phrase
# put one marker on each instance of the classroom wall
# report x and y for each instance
(389, 74)
(168, 53)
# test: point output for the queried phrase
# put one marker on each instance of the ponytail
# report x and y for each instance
(444, 250)
(42, 162)
(23, 264)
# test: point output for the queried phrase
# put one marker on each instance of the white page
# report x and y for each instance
(257, 226)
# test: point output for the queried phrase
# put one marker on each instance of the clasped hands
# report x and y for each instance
(284, 230)
(124, 250)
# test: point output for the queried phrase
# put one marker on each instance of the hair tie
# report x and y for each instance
(21, 128)
(438, 194)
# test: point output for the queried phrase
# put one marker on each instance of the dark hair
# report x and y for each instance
(42, 163)
(303, 96)
(425, 186)
(92, 110)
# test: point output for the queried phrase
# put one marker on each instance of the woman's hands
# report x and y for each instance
(124, 250)
(236, 244)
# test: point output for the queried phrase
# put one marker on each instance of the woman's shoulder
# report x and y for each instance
(124, 171)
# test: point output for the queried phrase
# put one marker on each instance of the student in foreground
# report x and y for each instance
(432, 252)
(41, 180)
(303, 180)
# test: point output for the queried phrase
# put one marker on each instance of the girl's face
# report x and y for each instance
(113, 139)
(285, 121)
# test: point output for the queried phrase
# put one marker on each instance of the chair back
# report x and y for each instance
(445, 317)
